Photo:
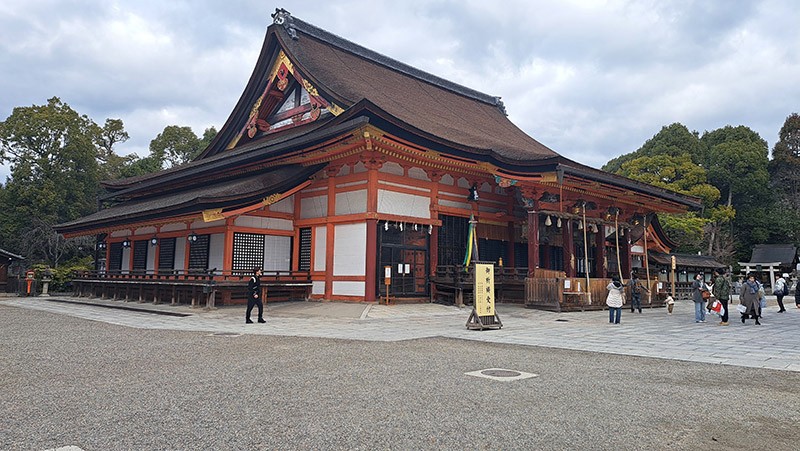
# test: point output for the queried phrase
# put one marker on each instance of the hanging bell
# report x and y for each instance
(401, 226)
(430, 229)
(580, 225)
(558, 223)
(386, 225)
(547, 221)
(415, 227)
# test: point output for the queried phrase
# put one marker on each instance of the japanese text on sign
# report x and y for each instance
(484, 289)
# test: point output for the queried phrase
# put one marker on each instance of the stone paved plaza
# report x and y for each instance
(774, 345)
(340, 376)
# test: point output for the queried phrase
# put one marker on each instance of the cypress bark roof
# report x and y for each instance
(229, 194)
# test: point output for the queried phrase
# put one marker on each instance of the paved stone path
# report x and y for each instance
(773, 345)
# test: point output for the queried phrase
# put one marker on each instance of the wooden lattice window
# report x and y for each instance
(115, 257)
(166, 253)
(198, 252)
(452, 240)
(140, 255)
(305, 249)
(248, 251)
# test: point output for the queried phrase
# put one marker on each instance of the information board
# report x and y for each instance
(484, 289)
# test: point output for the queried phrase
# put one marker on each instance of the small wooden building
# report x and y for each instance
(338, 163)
(6, 260)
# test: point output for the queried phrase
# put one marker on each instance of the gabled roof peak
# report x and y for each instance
(292, 25)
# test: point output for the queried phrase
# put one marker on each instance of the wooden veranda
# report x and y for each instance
(543, 289)
(194, 287)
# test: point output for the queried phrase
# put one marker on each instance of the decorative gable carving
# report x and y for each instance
(287, 101)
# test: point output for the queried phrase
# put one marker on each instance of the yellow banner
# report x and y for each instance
(484, 289)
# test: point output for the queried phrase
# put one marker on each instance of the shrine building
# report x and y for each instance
(338, 162)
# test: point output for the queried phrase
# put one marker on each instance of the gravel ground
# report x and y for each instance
(68, 381)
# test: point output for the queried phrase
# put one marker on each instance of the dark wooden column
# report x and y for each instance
(533, 239)
(600, 252)
(569, 248)
(625, 254)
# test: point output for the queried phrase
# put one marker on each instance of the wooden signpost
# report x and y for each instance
(483, 314)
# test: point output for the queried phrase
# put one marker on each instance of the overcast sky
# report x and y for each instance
(590, 79)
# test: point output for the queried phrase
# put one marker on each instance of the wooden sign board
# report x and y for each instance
(483, 314)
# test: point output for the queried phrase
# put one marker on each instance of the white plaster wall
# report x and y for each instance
(173, 227)
(258, 222)
(390, 167)
(419, 174)
(149, 230)
(320, 241)
(351, 202)
(200, 224)
(318, 287)
(350, 249)
(394, 203)
(450, 203)
(314, 207)
(284, 205)
(216, 250)
(349, 288)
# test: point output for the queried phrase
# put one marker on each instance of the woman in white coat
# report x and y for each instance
(615, 300)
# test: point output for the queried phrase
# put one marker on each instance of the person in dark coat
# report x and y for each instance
(636, 292)
(254, 297)
(750, 299)
(722, 291)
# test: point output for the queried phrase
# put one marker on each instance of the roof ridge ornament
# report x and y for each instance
(284, 18)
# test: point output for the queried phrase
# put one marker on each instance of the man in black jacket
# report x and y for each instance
(254, 296)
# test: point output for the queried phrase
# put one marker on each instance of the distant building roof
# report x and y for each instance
(770, 253)
(687, 260)
(5, 254)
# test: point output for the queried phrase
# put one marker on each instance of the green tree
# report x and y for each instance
(674, 140)
(784, 168)
(55, 155)
(679, 174)
(178, 145)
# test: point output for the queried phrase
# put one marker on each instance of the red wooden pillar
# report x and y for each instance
(600, 252)
(569, 248)
(533, 239)
(433, 247)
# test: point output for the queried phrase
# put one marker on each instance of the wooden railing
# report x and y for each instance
(187, 286)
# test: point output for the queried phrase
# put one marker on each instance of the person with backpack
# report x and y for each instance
(781, 289)
(722, 291)
(636, 292)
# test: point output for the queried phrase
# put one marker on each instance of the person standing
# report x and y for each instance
(615, 300)
(722, 291)
(254, 297)
(636, 293)
(750, 299)
(781, 289)
(698, 286)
